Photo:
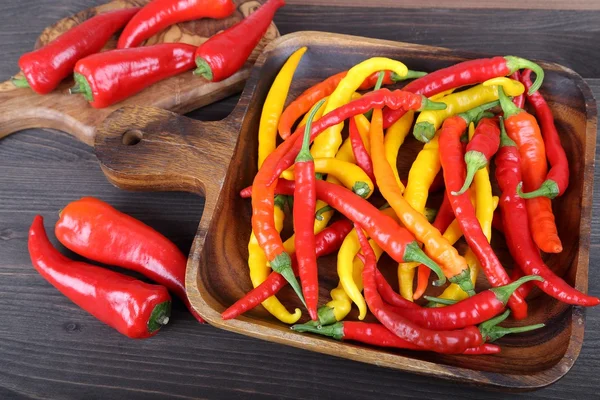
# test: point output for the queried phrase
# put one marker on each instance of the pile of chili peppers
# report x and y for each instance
(468, 115)
(106, 78)
(95, 230)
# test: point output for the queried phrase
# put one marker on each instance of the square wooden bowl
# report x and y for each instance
(218, 271)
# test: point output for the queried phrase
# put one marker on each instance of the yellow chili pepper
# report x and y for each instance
(420, 177)
(259, 271)
(273, 106)
(329, 141)
(429, 122)
(348, 174)
(394, 138)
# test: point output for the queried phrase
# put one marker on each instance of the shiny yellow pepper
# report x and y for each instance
(259, 270)
(273, 106)
(328, 142)
(429, 122)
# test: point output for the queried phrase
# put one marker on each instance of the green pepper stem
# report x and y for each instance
(280, 201)
(430, 214)
(424, 131)
(475, 161)
(325, 316)
(20, 82)
(321, 211)
(379, 82)
(475, 113)
(516, 63)
(362, 189)
(548, 188)
(409, 75)
(508, 107)
(82, 86)
(335, 331)
(429, 105)
(282, 264)
(159, 316)
(203, 69)
(504, 139)
(464, 281)
(304, 154)
(413, 253)
(503, 293)
(499, 332)
(438, 300)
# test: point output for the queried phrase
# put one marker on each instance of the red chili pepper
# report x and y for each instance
(471, 311)
(523, 128)
(519, 100)
(134, 308)
(557, 179)
(389, 296)
(443, 219)
(303, 103)
(517, 231)
(455, 341)
(159, 14)
(463, 74)
(481, 149)
(97, 231)
(326, 242)
(524, 289)
(497, 221)
(451, 157)
(283, 187)
(282, 158)
(305, 200)
(226, 53)
(109, 77)
(45, 68)
(377, 335)
(362, 157)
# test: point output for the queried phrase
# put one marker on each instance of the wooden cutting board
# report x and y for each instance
(22, 108)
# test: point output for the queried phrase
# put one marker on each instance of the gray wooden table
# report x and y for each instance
(49, 348)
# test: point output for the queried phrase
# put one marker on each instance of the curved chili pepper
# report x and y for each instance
(523, 128)
(225, 53)
(455, 341)
(362, 157)
(378, 335)
(159, 14)
(443, 219)
(517, 231)
(471, 311)
(134, 308)
(524, 289)
(480, 149)
(305, 199)
(99, 232)
(259, 270)
(394, 138)
(273, 105)
(278, 161)
(438, 248)
(520, 99)
(451, 153)
(459, 102)
(557, 179)
(326, 242)
(305, 101)
(464, 74)
(112, 76)
(46, 67)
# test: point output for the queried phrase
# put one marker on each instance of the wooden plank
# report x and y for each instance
(507, 4)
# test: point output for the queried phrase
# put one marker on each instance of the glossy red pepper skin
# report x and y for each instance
(462, 74)
(518, 234)
(388, 295)
(283, 186)
(160, 14)
(456, 341)
(519, 100)
(115, 75)
(443, 219)
(558, 176)
(452, 159)
(225, 53)
(46, 67)
(99, 232)
(134, 308)
(326, 242)
(362, 157)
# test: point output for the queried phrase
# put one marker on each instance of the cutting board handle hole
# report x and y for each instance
(132, 137)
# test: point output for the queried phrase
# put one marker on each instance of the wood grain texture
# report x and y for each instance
(23, 108)
(461, 4)
(172, 155)
(43, 356)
